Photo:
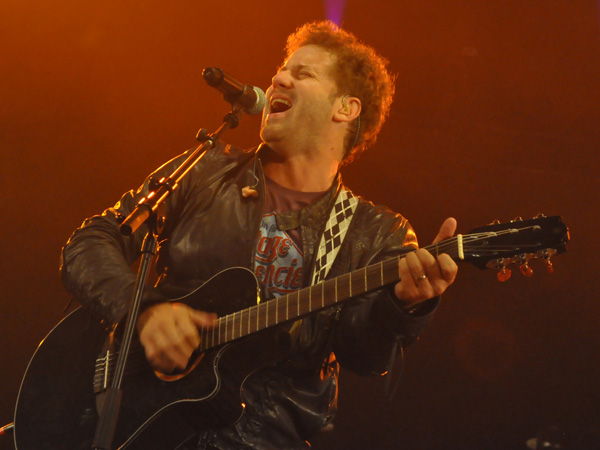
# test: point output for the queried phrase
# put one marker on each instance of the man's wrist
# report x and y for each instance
(410, 309)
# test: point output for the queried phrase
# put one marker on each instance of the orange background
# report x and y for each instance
(496, 116)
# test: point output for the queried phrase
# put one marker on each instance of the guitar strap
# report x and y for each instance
(335, 231)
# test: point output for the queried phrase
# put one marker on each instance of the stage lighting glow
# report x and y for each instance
(335, 10)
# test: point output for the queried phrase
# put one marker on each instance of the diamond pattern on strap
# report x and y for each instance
(335, 231)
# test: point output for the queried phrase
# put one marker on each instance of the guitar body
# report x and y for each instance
(57, 408)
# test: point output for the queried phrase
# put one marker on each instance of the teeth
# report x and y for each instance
(281, 100)
(280, 104)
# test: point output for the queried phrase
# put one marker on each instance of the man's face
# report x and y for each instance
(300, 100)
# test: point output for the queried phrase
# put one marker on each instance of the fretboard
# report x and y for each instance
(311, 299)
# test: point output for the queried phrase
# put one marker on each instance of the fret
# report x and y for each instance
(305, 299)
(229, 330)
(381, 270)
(355, 283)
(287, 307)
(226, 318)
(350, 280)
(372, 274)
(233, 325)
(277, 310)
(343, 291)
(329, 291)
(248, 311)
(322, 294)
(366, 286)
(390, 271)
(282, 313)
(241, 322)
(265, 316)
(336, 294)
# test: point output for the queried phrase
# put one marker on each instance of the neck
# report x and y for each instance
(301, 172)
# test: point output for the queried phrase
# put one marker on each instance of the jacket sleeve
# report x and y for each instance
(96, 261)
(373, 329)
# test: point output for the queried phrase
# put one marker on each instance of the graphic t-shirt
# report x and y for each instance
(279, 257)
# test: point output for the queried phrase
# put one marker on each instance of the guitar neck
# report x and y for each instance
(312, 299)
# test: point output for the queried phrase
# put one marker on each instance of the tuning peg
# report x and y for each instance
(504, 274)
(545, 256)
(540, 216)
(526, 270)
(495, 222)
(517, 219)
(549, 266)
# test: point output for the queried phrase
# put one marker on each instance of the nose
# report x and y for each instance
(282, 79)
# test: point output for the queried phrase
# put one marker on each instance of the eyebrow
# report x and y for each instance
(296, 68)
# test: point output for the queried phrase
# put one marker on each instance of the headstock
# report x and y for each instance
(499, 245)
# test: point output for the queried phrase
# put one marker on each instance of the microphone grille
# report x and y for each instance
(261, 100)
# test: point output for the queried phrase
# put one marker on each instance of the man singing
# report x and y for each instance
(269, 209)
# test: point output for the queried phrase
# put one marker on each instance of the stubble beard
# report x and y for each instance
(269, 134)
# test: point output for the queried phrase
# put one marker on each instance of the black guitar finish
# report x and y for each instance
(56, 409)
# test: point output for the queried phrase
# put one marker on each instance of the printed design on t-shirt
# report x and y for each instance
(278, 260)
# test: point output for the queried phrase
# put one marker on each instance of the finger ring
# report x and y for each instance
(420, 277)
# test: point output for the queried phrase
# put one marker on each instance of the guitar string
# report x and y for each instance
(440, 247)
(445, 245)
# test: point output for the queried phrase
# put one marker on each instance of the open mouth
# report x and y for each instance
(279, 105)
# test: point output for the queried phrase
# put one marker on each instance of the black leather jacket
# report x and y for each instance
(210, 226)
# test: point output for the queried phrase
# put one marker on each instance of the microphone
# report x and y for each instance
(250, 99)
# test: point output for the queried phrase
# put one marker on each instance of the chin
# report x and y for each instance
(269, 135)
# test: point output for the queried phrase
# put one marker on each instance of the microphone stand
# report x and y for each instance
(146, 212)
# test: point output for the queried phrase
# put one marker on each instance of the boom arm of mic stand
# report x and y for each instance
(145, 212)
(166, 186)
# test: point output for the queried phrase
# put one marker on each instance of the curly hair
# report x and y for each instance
(359, 72)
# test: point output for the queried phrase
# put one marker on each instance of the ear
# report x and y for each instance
(348, 109)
